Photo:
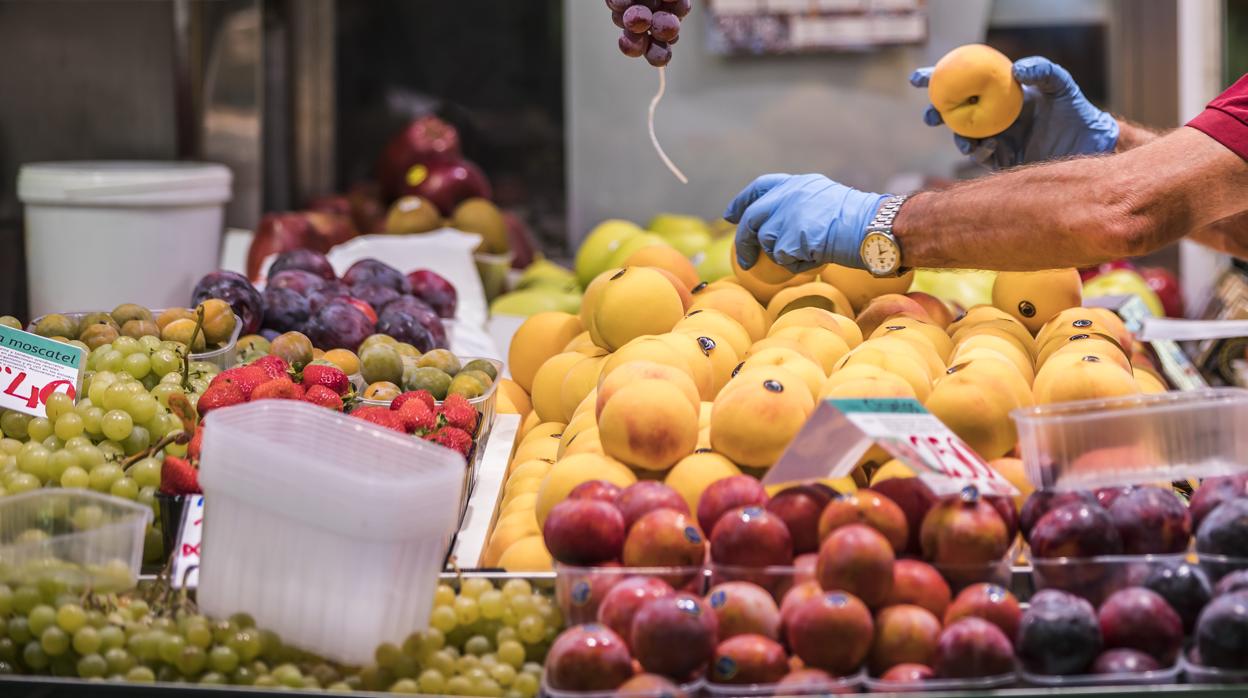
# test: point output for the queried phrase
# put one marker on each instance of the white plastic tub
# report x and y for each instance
(328, 530)
(99, 234)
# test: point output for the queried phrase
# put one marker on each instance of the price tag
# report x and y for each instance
(839, 432)
(33, 367)
(186, 557)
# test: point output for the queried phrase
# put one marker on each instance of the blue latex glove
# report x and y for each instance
(1056, 120)
(801, 221)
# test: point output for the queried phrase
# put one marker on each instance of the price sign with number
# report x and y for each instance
(839, 433)
(186, 557)
(34, 367)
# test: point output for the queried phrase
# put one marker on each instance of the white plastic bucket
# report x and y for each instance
(99, 234)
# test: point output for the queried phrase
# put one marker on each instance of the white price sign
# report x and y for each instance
(33, 367)
(186, 557)
(837, 435)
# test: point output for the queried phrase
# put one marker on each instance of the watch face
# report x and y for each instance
(880, 254)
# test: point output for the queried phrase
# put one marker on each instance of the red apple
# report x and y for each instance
(641, 498)
(446, 184)
(584, 532)
(749, 659)
(800, 507)
(588, 658)
(832, 631)
(621, 603)
(424, 141)
(751, 537)
(674, 635)
(1167, 288)
(744, 608)
(664, 538)
(600, 490)
(727, 494)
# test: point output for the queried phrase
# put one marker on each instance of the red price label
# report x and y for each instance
(23, 387)
(951, 457)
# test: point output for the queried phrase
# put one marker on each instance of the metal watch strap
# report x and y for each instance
(883, 220)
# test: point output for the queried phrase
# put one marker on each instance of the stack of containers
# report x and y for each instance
(326, 529)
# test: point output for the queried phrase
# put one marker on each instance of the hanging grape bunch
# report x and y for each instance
(650, 27)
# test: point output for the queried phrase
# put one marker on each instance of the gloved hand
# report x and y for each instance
(801, 221)
(1056, 120)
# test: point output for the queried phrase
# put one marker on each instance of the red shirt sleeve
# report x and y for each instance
(1225, 120)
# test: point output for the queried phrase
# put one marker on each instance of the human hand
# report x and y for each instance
(1056, 120)
(801, 221)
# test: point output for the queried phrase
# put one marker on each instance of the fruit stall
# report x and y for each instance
(390, 446)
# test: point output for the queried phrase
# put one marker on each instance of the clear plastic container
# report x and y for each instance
(952, 686)
(777, 580)
(1129, 440)
(1160, 677)
(999, 572)
(222, 357)
(328, 530)
(1218, 566)
(485, 406)
(1096, 578)
(684, 690)
(1200, 674)
(83, 539)
(579, 590)
(841, 685)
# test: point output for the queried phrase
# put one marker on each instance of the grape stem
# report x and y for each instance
(186, 360)
(654, 139)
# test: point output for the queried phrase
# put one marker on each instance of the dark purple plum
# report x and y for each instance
(305, 260)
(1222, 632)
(375, 294)
(1151, 520)
(297, 280)
(376, 271)
(434, 289)
(1184, 586)
(284, 309)
(1224, 531)
(1231, 583)
(1123, 660)
(406, 328)
(422, 313)
(235, 289)
(328, 292)
(1058, 635)
(1140, 619)
(1106, 496)
(1041, 502)
(1077, 529)
(339, 325)
(1214, 491)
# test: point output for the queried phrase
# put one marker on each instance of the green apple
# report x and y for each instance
(667, 224)
(718, 260)
(631, 245)
(1124, 282)
(544, 272)
(604, 239)
(963, 287)
(690, 243)
(536, 300)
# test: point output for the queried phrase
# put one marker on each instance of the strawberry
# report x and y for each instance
(278, 388)
(196, 445)
(323, 397)
(422, 395)
(275, 366)
(218, 396)
(457, 412)
(178, 477)
(331, 377)
(455, 439)
(245, 377)
(382, 418)
(417, 417)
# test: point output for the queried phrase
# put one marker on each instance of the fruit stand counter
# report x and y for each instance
(71, 688)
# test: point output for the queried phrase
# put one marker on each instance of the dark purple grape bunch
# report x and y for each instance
(650, 27)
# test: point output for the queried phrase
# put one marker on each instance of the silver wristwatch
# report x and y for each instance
(880, 251)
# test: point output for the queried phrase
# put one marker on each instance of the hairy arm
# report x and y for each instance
(1132, 135)
(1077, 213)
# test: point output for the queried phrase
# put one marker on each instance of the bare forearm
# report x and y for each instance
(1229, 235)
(1076, 212)
(1132, 135)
